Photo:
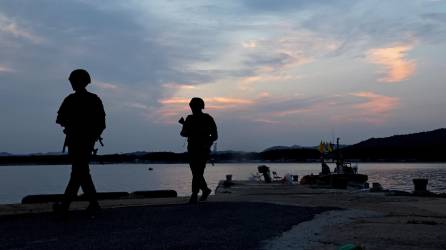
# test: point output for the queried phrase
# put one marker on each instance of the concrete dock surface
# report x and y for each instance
(246, 215)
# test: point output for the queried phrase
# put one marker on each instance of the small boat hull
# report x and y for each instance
(335, 180)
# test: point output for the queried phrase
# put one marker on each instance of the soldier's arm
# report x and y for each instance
(214, 133)
(62, 114)
(101, 118)
(185, 130)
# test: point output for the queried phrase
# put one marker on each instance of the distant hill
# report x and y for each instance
(47, 153)
(289, 154)
(282, 148)
(424, 146)
(418, 147)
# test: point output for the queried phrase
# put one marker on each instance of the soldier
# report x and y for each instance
(83, 118)
(201, 132)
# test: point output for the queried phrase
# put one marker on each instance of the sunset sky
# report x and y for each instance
(271, 72)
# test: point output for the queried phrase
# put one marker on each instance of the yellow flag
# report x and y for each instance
(321, 147)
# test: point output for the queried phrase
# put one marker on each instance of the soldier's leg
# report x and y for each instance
(202, 182)
(72, 188)
(74, 182)
(87, 185)
(85, 179)
(194, 167)
(200, 172)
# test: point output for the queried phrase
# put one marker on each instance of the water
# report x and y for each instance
(19, 181)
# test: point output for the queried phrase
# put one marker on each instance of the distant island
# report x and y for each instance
(417, 147)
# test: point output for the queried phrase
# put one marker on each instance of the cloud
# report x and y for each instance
(175, 100)
(180, 86)
(249, 44)
(210, 101)
(247, 58)
(285, 5)
(375, 103)
(229, 101)
(436, 16)
(359, 107)
(172, 108)
(397, 67)
(276, 59)
(9, 26)
(290, 112)
(5, 69)
(374, 108)
(106, 86)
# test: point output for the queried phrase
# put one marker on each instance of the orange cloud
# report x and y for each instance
(397, 67)
(374, 109)
(376, 104)
(172, 85)
(230, 101)
(174, 100)
(173, 108)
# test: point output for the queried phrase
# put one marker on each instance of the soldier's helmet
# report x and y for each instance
(196, 103)
(80, 77)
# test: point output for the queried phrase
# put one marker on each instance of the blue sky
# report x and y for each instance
(271, 72)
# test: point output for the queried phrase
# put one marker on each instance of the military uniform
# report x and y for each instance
(201, 131)
(83, 117)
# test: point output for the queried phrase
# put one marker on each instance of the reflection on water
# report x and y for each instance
(18, 181)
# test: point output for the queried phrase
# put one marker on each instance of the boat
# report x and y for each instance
(344, 175)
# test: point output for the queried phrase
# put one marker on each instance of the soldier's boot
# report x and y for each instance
(205, 194)
(193, 198)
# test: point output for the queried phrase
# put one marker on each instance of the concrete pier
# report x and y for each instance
(246, 215)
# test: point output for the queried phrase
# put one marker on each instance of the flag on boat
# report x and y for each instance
(321, 147)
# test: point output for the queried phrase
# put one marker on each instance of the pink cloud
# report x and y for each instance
(229, 101)
(174, 100)
(172, 85)
(373, 109)
(106, 86)
(375, 103)
(397, 67)
(173, 108)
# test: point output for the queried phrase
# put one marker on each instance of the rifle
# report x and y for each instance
(95, 151)
(65, 144)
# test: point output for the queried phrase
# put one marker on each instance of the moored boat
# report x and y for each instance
(344, 174)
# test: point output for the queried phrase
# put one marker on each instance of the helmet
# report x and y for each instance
(196, 103)
(80, 76)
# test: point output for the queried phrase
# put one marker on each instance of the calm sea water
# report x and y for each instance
(19, 181)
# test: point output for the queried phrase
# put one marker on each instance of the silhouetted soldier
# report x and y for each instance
(201, 132)
(83, 118)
